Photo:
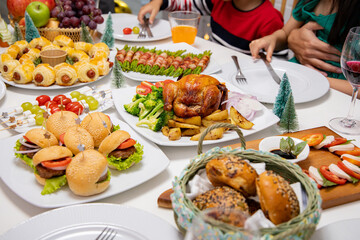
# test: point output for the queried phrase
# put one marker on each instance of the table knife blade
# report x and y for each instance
(147, 27)
(269, 68)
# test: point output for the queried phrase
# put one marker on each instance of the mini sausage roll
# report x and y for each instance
(23, 45)
(100, 54)
(78, 55)
(23, 73)
(86, 71)
(63, 41)
(13, 51)
(32, 55)
(44, 75)
(39, 43)
(3, 58)
(50, 46)
(83, 46)
(8, 68)
(99, 46)
(68, 50)
(102, 64)
(65, 74)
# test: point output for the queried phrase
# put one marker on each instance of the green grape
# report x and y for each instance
(93, 104)
(89, 98)
(26, 106)
(136, 30)
(81, 96)
(40, 111)
(75, 94)
(34, 109)
(39, 119)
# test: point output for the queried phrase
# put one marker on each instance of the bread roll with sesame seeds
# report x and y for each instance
(277, 199)
(76, 135)
(60, 121)
(232, 171)
(87, 174)
(98, 125)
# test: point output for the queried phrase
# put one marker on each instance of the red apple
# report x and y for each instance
(17, 7)
(50, 3)
(22, 22)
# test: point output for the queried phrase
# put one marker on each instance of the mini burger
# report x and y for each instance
(76, 135)
(50, 164)
(98, 125)
(60, 121)
(88, 174)
(33, 141)
(121, 151)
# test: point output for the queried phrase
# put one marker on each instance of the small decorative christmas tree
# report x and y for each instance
(288, 121)
(85, 35)
(31, 31)
(282, 97)
(117, 76)
(108, 37)
(17, 33)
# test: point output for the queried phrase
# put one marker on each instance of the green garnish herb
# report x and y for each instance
(288, 146)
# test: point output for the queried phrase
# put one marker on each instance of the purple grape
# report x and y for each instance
(75, 22)
(80, 13)
(86, 19)
(70, 14)
(97, 12)
(67, 8)
(56, 10)
(92, 8)
(92, 25)
(79, 5)
(66, 22)
(98, 19)
(91, 2)
(68, 2)
(61, 16)
(61, 25)
(86, 9)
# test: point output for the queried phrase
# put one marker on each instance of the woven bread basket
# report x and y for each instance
(300, 227)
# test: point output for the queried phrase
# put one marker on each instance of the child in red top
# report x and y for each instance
(234, 24)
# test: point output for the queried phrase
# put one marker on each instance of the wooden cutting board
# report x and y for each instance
(331, 196)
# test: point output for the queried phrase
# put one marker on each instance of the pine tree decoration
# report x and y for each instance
(85, 35)
(17, 33)
(117, 76)
(282, 97)
(108, 37)
(288, 121)
(31, 31)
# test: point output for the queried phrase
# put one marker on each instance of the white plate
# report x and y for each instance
(20, 178)
(271, 143)
(86, 221)
(263, 119)
(212, 67)
(2, 89)
(108, 102)
(55, 86)
(306, 83)
(160, 29)
(345, 230)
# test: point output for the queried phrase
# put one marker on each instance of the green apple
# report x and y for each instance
(39, 13)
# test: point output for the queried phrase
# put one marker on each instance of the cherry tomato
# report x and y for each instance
(77, 109)
(313, 139)
(142, 90)
(324, 170)
(147, 84)
(127, 30)
(127, 143)
(56, 163)
(355, 152)
(61, 138)
(42, 99)
(337, 141)
(136, 30)
(54, 109)
(69, 105)
(342, 166)
(66, 101)
(50, 104)
(58, 98)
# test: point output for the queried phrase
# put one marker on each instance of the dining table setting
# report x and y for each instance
(130, 206)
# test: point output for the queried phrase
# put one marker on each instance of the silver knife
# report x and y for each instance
(270, 69)
(146, 21)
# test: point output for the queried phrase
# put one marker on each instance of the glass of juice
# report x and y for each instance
(184, 26)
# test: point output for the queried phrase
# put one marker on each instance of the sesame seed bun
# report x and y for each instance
(93, 123)
(37, 136)
(76, 135)
(277, 199)
(111, 142)
(59, 122)
(84, 172)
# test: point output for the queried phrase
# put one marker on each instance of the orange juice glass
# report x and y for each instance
(184, 26)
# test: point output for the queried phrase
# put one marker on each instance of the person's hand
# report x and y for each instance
(311, 51)
(267, 43)
(153, 8)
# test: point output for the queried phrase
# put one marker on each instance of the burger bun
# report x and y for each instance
(60, 121)
(111, 142)
(94, 124)
(37, 136)
(76, 135)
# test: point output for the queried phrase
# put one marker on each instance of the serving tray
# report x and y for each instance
(331, 196)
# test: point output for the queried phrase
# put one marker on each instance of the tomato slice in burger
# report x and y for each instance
(337, 141)
(143, 90)
(57, 163)
(355, 152)
(127, 143)
(324, 170)
(342, 166)
(27, 139)
(313, 139)
(61, 138)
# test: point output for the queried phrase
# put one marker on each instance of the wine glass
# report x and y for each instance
(350, 65)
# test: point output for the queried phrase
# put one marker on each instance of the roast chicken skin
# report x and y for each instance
(194, 95)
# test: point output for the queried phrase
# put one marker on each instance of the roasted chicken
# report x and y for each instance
(194, 95)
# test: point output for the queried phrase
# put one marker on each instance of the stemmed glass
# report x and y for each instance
(350, 65)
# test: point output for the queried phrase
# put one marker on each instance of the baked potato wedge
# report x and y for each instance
(174, 134)
(218, 116)
(175, 124)
(193, 120)
(239, 120)
(212, 135)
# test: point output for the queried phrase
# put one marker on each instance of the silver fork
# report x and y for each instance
(107, 234)
(142, 33)
(240, 78)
